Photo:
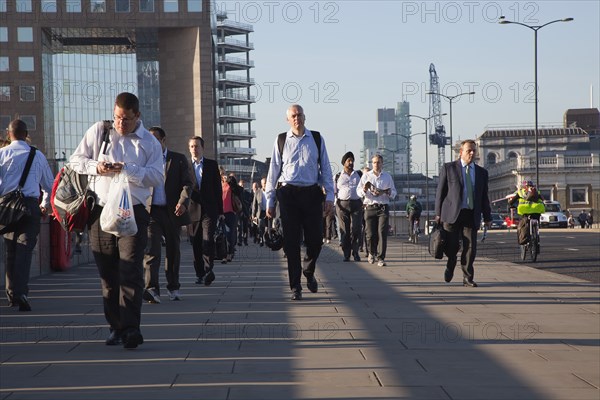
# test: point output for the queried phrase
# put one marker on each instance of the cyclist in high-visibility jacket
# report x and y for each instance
(530, 202)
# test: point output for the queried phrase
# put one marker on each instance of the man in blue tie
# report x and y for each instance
(461, 198)
(205, 208)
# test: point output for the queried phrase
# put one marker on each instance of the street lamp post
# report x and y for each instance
(394, 152)
(450, 99)
(535, 29)
(426, 120)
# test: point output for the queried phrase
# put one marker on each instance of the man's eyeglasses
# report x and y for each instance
(124, 119)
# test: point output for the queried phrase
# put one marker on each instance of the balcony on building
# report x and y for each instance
(244, 152)
(234, 97)
(227, 133)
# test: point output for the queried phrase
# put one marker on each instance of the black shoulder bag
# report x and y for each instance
(12, 204)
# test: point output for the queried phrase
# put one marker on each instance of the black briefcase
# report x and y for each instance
(437, 241)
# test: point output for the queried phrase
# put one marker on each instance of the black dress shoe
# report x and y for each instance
(469, 283)
(297, 295)
(114, 338)
(200, 281)
(132, 339)
(311, 284)
(23, 303)
(448, 275)
(356, 257)
(209, 278)
(346, 259)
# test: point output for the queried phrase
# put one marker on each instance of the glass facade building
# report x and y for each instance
(62, 63)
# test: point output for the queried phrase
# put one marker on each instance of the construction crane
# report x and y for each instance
(436, 126)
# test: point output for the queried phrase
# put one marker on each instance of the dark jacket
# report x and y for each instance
(448, 198)
(207, 199)
(178, 185)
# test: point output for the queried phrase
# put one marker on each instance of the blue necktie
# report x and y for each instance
(469, 187)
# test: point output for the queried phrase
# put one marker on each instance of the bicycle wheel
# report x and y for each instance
(415, 237)
(533, 250)
(523, 252)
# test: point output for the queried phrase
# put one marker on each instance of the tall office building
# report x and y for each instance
(62, 62)
(234, 116)
(393, 138)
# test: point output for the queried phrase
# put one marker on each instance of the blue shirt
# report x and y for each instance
(12, 163)
(299, 165)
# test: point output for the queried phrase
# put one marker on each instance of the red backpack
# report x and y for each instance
(72, 200)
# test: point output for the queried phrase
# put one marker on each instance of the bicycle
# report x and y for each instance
(532, 247)
(415, 230)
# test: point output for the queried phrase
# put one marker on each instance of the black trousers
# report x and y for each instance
(120, 262)
(301, 211)
(463, 229)
(376, 229)
(19, 250)
(161, 224)
(350, 215)
(203, 244)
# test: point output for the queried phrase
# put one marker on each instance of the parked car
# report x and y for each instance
(554, 217)
(497, 222)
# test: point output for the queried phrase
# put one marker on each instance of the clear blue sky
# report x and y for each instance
(342, 60)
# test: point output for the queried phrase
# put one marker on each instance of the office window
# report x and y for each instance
(4, 93)
(579, 195)
(30, 120)
(74, 6)
(27, 93)
(26, 64)
(24, 6)
(49, 6)
(2, 5)
(171, 6)
(4, 64)
(194, 5)
(4, 121)
(122, 6)
(98, 6)
(25, 34)
(147, 5)
(3, 34)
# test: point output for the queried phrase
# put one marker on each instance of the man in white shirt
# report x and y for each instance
(22, 237)
(349, 207)
(132, 153)
(377, 188)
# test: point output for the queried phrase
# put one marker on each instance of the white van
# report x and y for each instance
(554, 217)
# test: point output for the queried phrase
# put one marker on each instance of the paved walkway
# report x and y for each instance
(395, 332)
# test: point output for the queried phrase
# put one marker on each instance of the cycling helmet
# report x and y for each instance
(413, 197)
(527, 184)
(273, 238)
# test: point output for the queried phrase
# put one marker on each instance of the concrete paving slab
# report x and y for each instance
(397, 332)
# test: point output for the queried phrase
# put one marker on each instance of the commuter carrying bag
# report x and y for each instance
(523, 231)
(437, 242)
(12, 204)
(221, 246)
(117, 217)
(72, 200)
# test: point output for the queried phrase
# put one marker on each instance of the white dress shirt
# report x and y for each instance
(382, 181)
(139, 150)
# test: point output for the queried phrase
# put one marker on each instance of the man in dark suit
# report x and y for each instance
(461, 198)
(168, 213)
(205, 208)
